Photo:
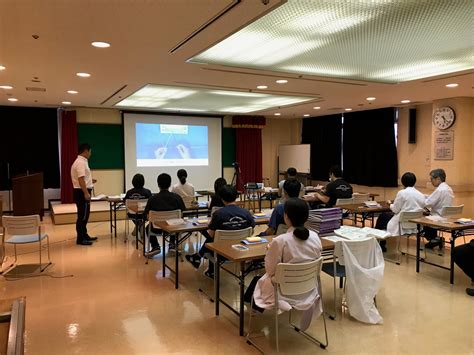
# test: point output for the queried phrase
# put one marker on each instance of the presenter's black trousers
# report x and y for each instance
(83, 210)
(464, 258)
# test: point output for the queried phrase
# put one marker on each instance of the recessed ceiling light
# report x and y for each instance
(2, 67)
(347, 109)
(281, 81)
(453, 85)
(66, 102)
(405, 101)
(370, 98)
(12, 99)
(101, 44)
(72, 92)
(6, 87)
(83, 75)
(306, 115)
(277, 114)
(316, 107)
(262, 87)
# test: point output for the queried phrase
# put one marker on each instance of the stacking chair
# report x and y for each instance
(341, 202)
(160, 216)
(25, 230)
(293, 280)
(409, 229)
(134, 209)
(453, 211)
(281, 229)
(360, 198)
(237, 234)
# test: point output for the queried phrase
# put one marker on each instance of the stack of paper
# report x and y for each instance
(325, 220)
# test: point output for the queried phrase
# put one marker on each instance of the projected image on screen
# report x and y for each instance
(171, 145)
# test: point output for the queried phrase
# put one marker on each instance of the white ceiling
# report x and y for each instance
(143, 33)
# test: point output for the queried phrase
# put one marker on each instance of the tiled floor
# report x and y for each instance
(103, 299)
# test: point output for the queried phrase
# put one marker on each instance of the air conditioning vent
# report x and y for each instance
(30, 88)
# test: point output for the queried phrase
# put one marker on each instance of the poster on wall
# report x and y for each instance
(444, 145)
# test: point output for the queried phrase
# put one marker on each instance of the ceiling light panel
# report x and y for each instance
(175, 98)
(371, 40)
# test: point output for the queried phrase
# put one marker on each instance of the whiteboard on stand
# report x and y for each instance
(294, 156)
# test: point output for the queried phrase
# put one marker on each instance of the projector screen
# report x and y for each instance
(156, 144)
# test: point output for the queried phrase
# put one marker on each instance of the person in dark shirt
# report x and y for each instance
(292, 189)
(464, 257)
(216, 200)
(337, 188)
(229, 217)
(137, 193)
(162, 201)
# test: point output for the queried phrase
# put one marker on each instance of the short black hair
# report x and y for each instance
(164, 181)
(297, 212)
(83, 147)
(408, 179)
(218, 184)
(335, 170)
(138, 181)
(438, 173)
(292, 187)
(228, 193)
(182, 173)
(291, 172)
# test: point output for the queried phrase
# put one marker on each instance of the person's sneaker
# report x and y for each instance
(209, 273)
(154, 251)
(433, 243)
(194, 259)
(470, 291)
(134, 232)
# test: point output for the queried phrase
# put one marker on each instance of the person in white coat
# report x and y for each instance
(407, 200)
(442, 196)
(298, 245)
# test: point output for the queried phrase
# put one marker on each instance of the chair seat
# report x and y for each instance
(25, 239)
(328, 268)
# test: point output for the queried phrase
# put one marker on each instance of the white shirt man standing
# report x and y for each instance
(82, 182)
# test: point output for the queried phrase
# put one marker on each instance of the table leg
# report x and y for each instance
(110, 215)
(115, 219)
(176, 253)
(242, 287)
(216, 282)
(163, 250)
(451, 267)
(418, 237)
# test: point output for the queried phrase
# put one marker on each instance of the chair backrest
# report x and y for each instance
(360, 198)
(405, 218)
(281, 229)
(135, 206)
(297, 279)
(189, 201)
(236, 234)
(22, 225)
(359, 248)
(344, 201)
(214, 209)
(451, 210)
(160, 216)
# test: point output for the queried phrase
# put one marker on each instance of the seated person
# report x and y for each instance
(229, 217)
(337, 188)
(290, 175)
(162, 201)
(184, 188)
(464, 258)
(298, 245)
(292, 189)
(407, 200)
(137, 193)
(216, 200)
(441, 197)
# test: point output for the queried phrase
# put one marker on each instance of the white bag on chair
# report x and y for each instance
(364, 272)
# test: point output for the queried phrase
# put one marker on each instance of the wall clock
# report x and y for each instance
(444, 117)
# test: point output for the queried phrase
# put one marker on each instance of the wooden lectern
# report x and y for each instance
(28, 194)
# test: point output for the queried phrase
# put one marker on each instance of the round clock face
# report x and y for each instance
(444, 117)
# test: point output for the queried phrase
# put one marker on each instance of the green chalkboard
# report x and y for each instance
(106, 141)
(228, 146)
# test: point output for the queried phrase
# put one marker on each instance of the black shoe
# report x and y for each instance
(194, 259)
(470, 291)
(84, 242)
(209, 274)
(154, 251)
(433, 243)
(91, 239)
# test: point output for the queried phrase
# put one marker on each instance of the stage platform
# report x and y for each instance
(66, 213)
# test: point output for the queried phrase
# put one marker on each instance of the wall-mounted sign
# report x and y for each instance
(444, 145)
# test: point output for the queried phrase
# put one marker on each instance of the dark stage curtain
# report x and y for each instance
(324, 135)
(29, 143)
(370, 152)
(69, 146)
(248, 142)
